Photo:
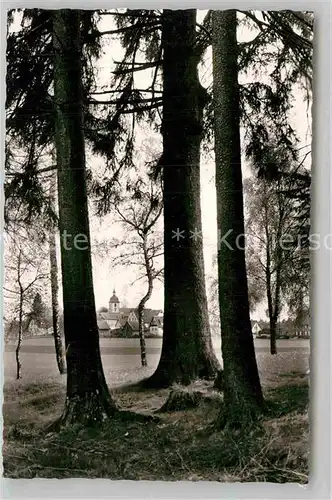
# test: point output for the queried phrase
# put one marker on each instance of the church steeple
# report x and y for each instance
(114, 303)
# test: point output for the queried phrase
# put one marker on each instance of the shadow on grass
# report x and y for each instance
(287, 399)
(179, 446)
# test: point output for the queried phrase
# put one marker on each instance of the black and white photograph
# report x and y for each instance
(157, 245)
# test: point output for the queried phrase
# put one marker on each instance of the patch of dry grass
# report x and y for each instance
(182, 445)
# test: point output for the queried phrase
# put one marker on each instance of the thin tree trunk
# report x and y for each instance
(88, 399)
(275, 315)
(142, 303)
(243, 397)
(273, 302)
(187, 352)
(141, 333)
(20, 318)
(273, 336)
(19, 340)
(278, 266)
(59, 349)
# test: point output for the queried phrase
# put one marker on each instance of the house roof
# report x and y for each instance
(156, 321)
(133, 325)
(102, 324)
(108, 315)
(149, 314)
(122, 321)
(124, 312)
(103, 315)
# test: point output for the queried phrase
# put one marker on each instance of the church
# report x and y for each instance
(123, 321)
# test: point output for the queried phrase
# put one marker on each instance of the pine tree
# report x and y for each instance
(187, 351)
(141, 28)
(88, 399)
(243, 397)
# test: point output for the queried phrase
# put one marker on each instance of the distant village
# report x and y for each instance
(120, 321)
(285, 329)
(117, 321)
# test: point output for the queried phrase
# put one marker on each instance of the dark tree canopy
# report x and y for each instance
(110, 124)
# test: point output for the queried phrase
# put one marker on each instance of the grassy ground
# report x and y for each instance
(182, 445)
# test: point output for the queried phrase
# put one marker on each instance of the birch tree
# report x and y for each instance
(25, 276)
(59, 348)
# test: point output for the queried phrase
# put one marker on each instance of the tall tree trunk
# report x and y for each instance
(88, 399)
(59, 349)
(187, 352)
(243, 397)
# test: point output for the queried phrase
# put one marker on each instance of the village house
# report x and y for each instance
(255, 328)
(123, 321)
(287, 328)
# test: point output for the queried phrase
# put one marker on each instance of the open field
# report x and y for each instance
(181, 445)
(122, 355)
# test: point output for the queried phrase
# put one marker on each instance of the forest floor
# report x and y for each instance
(181, 445)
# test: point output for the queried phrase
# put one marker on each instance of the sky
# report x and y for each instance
(105, 277)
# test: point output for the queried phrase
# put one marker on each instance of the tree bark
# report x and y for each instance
(59, 349)
(273, 337)
(273, 296)
(278, 264)
(143, 301)
(273, 312)
(19, 340)
(243, 397)
(187, 352)
(141, 332)
(88, 399)
(20, 318)
(272, 320)
(276, 312)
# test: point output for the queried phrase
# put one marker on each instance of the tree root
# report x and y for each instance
(92, 412)
(162, 380)
(181, 399)
(186, 398)
(240, 418)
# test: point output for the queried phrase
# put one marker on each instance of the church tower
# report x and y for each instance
(114, 304)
